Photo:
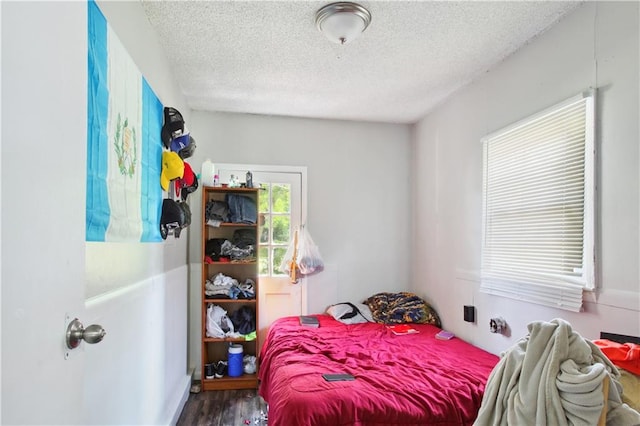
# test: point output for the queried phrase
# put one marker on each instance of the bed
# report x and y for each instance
(413, 379)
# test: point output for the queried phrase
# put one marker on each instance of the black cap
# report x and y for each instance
(173, 125)
(175, 213)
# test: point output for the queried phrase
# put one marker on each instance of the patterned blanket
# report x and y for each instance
(403, 307)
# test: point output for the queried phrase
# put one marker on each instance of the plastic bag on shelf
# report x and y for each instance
(302, 256)
(218, 323)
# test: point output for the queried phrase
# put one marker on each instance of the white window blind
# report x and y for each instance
(538, 206)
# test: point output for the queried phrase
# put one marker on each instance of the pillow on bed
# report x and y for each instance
(350, 313)
(397, 308)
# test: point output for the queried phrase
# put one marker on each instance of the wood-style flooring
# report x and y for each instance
(224, 408)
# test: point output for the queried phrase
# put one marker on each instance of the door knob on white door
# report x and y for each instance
(76, 332)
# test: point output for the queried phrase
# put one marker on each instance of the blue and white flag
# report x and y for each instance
(124, 149)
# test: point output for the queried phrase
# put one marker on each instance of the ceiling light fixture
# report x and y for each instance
(342, 22)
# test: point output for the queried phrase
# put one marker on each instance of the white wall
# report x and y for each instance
(145, 351)
(595, 46)
(114, 265)
(138, 292)
(358, 198)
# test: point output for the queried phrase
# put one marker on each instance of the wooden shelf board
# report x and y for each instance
(225, 339)
(246, 381)
(234, 225)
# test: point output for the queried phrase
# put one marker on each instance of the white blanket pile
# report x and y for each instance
(553, 377)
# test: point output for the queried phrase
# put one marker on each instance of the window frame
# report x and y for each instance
(561, 293)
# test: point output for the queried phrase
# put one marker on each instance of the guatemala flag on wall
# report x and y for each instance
(124, 149)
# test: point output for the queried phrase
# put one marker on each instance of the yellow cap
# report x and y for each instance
(172, 168)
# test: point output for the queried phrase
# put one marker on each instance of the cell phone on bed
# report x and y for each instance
(337, 377)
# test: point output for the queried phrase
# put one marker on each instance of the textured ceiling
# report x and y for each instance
(267, 57)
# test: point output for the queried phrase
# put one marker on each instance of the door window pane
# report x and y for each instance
(265, 197)
(264, 229)
(263, 260)
(278, 255)
(281, 229)
(281, 196)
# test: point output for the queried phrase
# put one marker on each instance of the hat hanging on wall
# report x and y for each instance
(187, 184)
(172, 168)
(173, 125)
(175, 216)
(184, 145)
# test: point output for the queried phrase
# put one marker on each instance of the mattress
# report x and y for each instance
(412, 379)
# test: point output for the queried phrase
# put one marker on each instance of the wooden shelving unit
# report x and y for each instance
(216, 349)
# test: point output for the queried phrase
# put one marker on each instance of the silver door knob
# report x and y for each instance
(76, 332)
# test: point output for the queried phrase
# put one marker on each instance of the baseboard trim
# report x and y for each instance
(181, 396)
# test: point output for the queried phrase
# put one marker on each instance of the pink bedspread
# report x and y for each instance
(412, 379)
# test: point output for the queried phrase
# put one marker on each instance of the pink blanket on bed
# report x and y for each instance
(412, 379)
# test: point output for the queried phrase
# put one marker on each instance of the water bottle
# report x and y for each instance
(234, 360)
(249, 180)
(206, 173)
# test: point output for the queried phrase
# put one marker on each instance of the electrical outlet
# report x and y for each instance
(469, 313)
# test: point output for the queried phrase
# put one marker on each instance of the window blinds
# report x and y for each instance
(538, 207)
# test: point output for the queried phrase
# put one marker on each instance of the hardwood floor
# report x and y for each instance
(224, 408)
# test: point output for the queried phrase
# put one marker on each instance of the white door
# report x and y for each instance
(43, 204)
(281, 212)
